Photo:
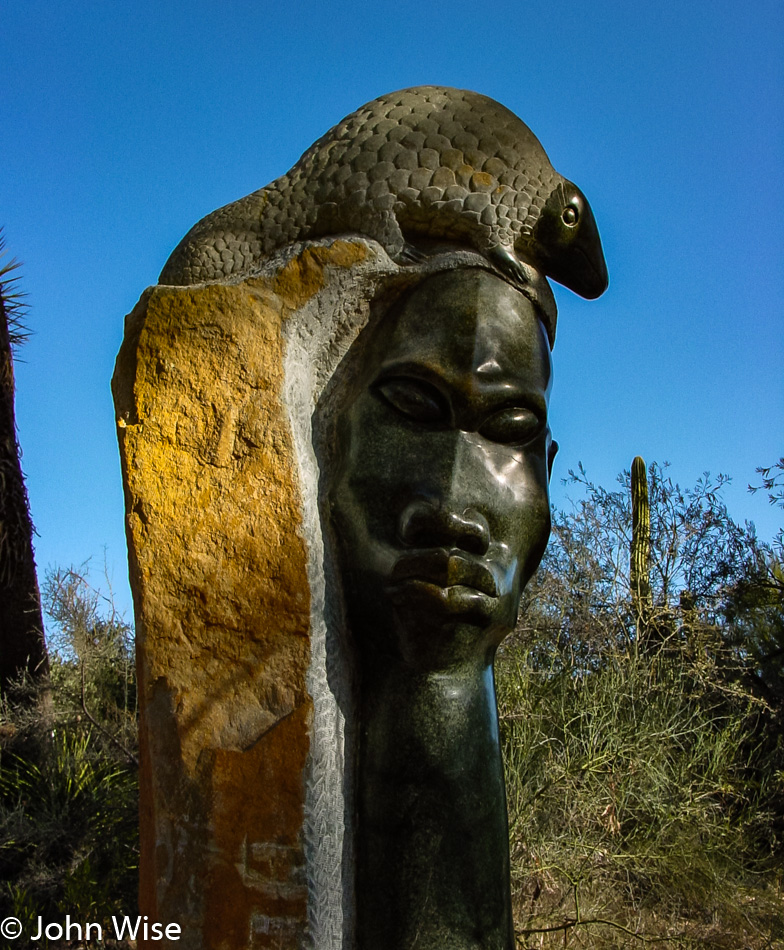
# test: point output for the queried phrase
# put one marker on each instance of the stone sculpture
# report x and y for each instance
(440, 504)
(428, 163)
(333, 425)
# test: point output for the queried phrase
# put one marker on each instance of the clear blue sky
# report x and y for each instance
(124, 123)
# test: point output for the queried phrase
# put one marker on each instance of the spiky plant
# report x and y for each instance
(22, 648)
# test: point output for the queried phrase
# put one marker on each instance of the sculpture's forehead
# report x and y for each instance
(470, 322)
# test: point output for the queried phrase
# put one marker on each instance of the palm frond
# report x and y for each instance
(12, 300)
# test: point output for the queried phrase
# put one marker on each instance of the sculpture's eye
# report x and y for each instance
(414, 399)
(514, 426)
(570, 216)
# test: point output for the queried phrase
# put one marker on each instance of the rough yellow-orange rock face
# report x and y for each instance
(219, 575)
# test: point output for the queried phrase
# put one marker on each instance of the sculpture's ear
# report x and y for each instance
(552, 451)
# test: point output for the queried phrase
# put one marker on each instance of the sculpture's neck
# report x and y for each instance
(433, 863)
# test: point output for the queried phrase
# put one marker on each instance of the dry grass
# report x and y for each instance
(643, 808)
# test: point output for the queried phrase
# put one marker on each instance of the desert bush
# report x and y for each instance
(68, 769)
(645, 786)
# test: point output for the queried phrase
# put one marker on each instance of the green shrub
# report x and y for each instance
(645, 786)
(68, 770)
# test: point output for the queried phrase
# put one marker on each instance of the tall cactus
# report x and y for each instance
(640, 554)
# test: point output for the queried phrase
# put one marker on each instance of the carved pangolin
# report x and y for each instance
(411, 169)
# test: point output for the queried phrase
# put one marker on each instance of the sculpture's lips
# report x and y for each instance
(445, 569)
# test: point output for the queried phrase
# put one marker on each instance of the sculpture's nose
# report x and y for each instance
(426, 524)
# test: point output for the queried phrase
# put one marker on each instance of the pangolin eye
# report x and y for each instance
(570, 216)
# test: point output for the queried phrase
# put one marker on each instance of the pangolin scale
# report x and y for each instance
(411, 169)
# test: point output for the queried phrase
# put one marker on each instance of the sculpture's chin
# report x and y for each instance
(430, 627)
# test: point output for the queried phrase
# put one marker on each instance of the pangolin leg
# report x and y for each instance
(408, 254)
(506, 260)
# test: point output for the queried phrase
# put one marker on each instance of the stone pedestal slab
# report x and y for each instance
(219, 572)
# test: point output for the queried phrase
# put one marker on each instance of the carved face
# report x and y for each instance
(440, 495)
